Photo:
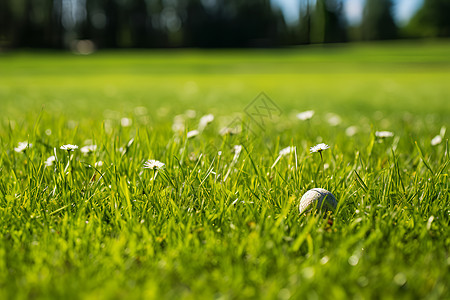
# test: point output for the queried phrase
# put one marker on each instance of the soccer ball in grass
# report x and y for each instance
(314, 198)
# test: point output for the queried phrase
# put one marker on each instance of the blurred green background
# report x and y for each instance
(355, 78)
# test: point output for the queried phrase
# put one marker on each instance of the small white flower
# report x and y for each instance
(68, 147)
(192, 133)
(319, 148)
(177, 127)
(306, 115)
(98, 164)
(88, 149)
(192, 156)
(72, 124)
(442, 131)
(284, 152)
(178, 123)
(351, 131)
(153, 164)
(384, 134)
(108, 125)
(204, 121)
(237, 149)
(287, 151)
(22, 146)
(49, 162)
(140, 110)
(190, 113)
(333, 119)
(230, 131)
(126, 122)
(436, 140)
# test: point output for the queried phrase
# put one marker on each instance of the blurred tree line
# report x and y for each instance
(204, 23)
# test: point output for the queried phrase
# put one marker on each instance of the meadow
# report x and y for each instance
(219, 221)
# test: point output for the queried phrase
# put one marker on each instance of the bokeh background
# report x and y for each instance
(86, 25)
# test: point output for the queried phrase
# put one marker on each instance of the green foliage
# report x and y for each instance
(222, 225)
(431, 20)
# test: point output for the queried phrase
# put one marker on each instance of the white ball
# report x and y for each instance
(314, 198)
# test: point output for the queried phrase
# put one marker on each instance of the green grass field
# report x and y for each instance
(213, 223)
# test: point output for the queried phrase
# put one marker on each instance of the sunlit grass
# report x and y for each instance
(214, 223)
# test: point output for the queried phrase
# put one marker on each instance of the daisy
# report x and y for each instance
(204, 121)
(126, 122)
(190, 113)
(68, 147)
(306, 115)
(98, 164)
(286, 151)
(88, 149)
(153, 164)
(442, 132)
(140, 110)
(192, 133)
(283, 152)
(49, 161)
(22, 147)
(333, 119)
(351, 131)
(237, 149)
(436, 140)
(178, 123)
(229, 131)
(384, 134)
(319, 148)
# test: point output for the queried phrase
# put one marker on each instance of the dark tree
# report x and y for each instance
(378, 23)
(139, 24)
(7, 19)
(305, 23)
(328, 22)
(257, 25)
(432, 20)
(233, 23)
(202, 23)
(111, 30)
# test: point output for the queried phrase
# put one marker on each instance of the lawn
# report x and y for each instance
(220, 221)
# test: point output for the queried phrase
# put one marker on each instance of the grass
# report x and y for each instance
(225, 226)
